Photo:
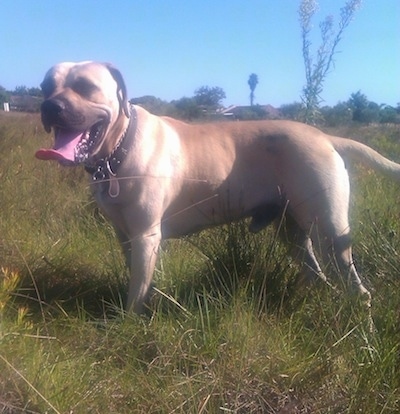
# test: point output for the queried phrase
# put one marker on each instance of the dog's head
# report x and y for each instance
(86, 105)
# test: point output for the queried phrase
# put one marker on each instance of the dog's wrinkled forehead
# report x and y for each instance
(81, 77)
(94, 81)
(55, 77)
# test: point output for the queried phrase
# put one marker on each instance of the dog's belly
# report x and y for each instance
(190, 215)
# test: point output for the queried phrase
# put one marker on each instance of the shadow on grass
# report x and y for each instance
(224, 274)
(220, 266)
(229, 262)
(66, 290)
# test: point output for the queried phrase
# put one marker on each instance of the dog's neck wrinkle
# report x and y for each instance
(104, 168)
(119, 132)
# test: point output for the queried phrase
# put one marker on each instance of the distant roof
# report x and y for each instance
(271, 111)
(25, 103)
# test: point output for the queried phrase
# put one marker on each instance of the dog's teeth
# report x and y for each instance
(86, 144)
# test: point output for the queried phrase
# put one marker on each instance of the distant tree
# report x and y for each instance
(373, 112)
(20, 90)
(292, 111)
(389, 115)
(317, 70)
(4, 96)
(254, 112)
(152, 104)
(23, 90)
(35, 92)
(358, 103)
(366, 111)
(252, 82)
(186, 108)
(340, 114)
(209, 97)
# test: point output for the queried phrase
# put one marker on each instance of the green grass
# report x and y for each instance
(227, 330)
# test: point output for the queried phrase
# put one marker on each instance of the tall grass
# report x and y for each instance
(227, 330)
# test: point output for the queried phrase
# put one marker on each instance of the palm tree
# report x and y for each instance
(253, 81)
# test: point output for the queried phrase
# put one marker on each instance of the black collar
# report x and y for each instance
(107, 167)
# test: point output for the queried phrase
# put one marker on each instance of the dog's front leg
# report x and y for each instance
(144, 250)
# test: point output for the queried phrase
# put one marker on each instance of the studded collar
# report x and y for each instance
(105, 169)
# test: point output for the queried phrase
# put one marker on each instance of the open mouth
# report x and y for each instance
(72, 146)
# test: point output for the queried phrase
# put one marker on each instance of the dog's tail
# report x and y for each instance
(357, 151)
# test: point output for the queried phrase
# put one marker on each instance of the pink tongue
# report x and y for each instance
(64, 148)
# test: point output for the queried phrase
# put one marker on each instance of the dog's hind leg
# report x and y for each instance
(331, 229)
(337, 252)
(341, 253)
(303, 252)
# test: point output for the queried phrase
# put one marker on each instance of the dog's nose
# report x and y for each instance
(52, 107)
(52, 112)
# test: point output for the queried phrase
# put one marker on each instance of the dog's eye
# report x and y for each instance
(84, 87)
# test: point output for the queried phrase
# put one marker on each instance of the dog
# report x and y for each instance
(158, 178)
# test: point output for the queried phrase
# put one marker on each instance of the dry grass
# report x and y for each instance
(242, 340)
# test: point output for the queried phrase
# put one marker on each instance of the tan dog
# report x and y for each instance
(159, 178)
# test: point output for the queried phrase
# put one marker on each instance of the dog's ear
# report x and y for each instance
(122, 92)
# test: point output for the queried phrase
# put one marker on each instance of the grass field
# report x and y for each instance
(227, 330)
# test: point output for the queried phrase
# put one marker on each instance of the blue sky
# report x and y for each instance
(169, 48)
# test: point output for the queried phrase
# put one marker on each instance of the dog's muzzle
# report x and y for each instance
(75, 136)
